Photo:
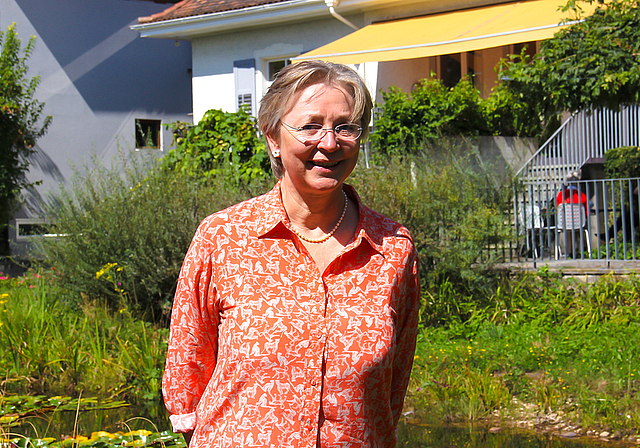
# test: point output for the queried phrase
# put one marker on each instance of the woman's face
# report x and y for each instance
(320, 166)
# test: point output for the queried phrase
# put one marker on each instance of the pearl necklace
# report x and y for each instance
(328, 235)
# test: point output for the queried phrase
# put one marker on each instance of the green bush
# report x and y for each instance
(222, 143)
(622, 162)
(432, 110)
(124, 231)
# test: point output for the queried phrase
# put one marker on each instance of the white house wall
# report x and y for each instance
(213, 57)
(97, 77)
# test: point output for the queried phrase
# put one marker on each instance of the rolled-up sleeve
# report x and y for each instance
(192, 351)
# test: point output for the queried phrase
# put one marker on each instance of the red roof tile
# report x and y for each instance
(190, 8)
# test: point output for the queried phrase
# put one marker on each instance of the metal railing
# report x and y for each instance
(584, 136)
(595, 219)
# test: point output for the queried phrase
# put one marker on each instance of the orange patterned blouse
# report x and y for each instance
(266, 351)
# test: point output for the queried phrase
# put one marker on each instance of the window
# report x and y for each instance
(148, 134)
(271, 60)
(244, 101)
(26, 228)
(450, 69)
(529, 47)
(276, 66)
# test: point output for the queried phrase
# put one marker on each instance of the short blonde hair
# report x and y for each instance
(296, 77)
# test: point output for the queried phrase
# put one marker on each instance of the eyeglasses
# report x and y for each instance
(315, 132)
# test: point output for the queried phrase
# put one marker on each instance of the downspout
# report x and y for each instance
(330, 4)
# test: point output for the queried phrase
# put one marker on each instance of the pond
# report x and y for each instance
(470, 436)
(105, 420)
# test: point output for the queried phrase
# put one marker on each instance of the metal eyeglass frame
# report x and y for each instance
(323, 132)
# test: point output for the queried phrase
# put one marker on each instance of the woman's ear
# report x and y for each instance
(274, 146)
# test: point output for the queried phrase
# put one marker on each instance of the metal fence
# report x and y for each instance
(595, 219)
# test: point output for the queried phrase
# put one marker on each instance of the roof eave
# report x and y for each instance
(188, 27)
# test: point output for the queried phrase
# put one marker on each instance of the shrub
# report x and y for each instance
(125, 230)
(405, 121)
(622, 162)
(222, 143)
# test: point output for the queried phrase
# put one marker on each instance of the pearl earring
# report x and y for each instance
(275, 153)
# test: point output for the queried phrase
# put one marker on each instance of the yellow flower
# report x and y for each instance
(105, 269)
(98, 434)
(4, 296)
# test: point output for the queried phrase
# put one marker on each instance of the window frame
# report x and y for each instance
(157, 124)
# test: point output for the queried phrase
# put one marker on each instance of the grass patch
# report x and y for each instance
(562, 348)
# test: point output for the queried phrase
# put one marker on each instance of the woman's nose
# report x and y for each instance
(328, 141)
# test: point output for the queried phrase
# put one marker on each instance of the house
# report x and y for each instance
(107, 89)
(239, 45)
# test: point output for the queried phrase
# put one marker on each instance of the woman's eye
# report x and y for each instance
(311, 127)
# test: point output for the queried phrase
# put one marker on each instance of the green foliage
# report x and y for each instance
(622, 162)
(221, 144)
(509, 113)
(406, 121)
(560, 345)
(19, 116)
(47, 347)
(125, 231)
(593, 63)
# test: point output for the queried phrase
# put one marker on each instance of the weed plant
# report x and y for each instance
(47, 347)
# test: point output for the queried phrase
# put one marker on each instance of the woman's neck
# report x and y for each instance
(313, 215)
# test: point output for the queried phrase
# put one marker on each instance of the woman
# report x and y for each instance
(294, 321)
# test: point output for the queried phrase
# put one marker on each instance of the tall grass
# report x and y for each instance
(49, 347)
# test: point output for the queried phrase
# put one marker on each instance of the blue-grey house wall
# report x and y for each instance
(97, 77)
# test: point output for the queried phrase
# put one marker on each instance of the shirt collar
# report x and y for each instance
(272, 218)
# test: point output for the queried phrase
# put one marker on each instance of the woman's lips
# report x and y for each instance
(324, 164)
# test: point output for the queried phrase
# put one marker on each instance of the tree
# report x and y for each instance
(19, 117)
(593, 63)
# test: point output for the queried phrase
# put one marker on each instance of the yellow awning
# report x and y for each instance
(448, 33)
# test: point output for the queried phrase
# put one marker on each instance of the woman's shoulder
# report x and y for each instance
(233, 219)
(239, 212)
(385, 231)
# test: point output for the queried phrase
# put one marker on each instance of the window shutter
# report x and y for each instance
(244, 73)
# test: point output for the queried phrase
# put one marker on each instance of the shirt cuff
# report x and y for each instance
(183, 422)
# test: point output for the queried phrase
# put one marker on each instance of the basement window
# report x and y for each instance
(27, 228)
(148, 134)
